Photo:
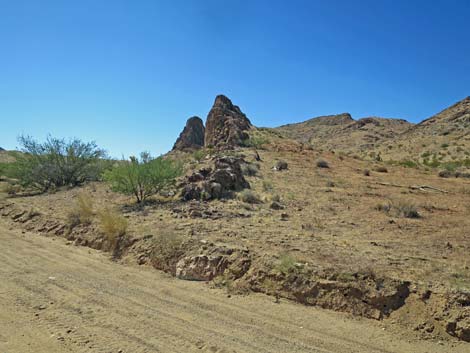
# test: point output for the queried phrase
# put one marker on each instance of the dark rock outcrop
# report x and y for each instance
(192, 136)
(208, 184)
(226, 125)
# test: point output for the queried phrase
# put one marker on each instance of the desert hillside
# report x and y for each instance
(342, 133)
(444, 137)
(441, 140)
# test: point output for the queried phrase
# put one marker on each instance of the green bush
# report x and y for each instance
(200, 154)
(56, 162)
(144, 176)
(256, 142)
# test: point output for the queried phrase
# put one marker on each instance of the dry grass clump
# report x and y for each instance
(321, 163)
(167, 248)
(400, 208)
(407, 209)
(82, 212)
(112, 224)
(249, 196)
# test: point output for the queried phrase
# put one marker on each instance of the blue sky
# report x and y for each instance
(128, 74)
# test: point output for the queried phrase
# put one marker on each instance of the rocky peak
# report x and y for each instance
(192, 136)
(226, 125)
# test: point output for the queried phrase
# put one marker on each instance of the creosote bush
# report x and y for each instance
(57, 162)
(144, 176)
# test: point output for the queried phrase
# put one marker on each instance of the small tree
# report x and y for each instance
(57, 162)
(144, 176)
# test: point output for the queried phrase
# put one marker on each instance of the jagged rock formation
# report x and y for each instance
(226, 125)
(192, 136)
(208, 183)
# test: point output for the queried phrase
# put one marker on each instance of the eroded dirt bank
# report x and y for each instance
(61, 298)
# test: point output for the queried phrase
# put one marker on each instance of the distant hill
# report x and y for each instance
(343, 133)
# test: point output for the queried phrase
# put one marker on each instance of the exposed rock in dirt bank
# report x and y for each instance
(226, 125)
(192, 136)
(221, 181)
(363, 295)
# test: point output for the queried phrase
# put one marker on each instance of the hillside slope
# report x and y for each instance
(444, 137)
(341, 132)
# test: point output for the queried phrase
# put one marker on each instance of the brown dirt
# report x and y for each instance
(61, 298)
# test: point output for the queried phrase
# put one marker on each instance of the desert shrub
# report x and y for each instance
(322, 164)
(249, 169)
(407, 209)
(249, 196)
(381, 169)
(56, 162)
(255, 141)
(267, 186)
(383, 207)
(144, 176)
(445, 174)
(200, 154)
(460, 174)
(366, 172)
(400, 209)
(286, 264)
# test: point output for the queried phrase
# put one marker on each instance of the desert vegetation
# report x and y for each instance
(143, 176)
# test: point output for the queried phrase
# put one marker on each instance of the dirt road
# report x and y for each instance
(60, 298)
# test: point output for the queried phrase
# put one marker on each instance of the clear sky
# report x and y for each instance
(128, 74)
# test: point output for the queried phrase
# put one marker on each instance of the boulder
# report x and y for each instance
(280, 165)
(208, 183)
(226, 125)
(192, 136)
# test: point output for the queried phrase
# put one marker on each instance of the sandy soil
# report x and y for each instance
(60, 298)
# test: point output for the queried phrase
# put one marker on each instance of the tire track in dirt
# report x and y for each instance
(95, 305)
